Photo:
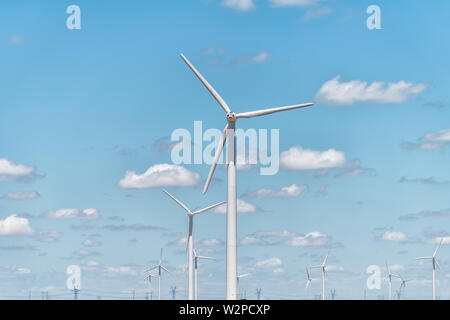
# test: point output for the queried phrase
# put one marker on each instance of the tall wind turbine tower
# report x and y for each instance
(229, 134)
(323, 267)
(190, 240)
(434, 264)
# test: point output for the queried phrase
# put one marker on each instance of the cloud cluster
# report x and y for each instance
(298, 158)
(242, 207)
(293, 190)
(22, 195)
(15, 226)
(314, 239)
(430, 141)
(72, 213)
(160, 175)
(337, 93)
(239, 5)
(426, 214)
(9, 171)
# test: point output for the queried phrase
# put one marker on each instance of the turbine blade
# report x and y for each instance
(436, 262)
(326, 258)
(424, 258)
(177, 201)
(208, 208)
(166, 270)
(189, 232)
(264, 112)
(211, 90)
(205, 258)
(387, 267)
(307, 273)
(160, 257)
(216, 158)
(152, 268)
(308, 283)
(437, 249)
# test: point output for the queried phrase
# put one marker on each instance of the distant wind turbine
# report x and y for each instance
(149, 278)
(403, 285)
(434, 263)
(190, 240)
(159, 267)
(196, 258)
(229, 133)
(389, 278)
(323, 267)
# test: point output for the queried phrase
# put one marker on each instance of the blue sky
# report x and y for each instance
(80, 108)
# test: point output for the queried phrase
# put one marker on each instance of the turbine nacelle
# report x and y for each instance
(231, 117)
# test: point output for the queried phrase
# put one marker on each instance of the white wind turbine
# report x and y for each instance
(229, 133)
(323, 267)
(434, 263)
(239, 277)
(196, 258)
(389, 278)
(403, 284)
(190, 240)
(160, 267)
(308, 282)
(149, 278)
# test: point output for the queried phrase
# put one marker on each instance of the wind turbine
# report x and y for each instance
(160, 267)
(149, 278)
(229, 133)
(196, 257)
(308, 282)
(190, 240)
(403, 284)
(434, 263)
(389, 278)
(239, 277)
(323, 266)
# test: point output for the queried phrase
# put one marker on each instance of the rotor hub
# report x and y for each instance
(231, 117)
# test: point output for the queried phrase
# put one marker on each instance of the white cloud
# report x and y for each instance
(15, 226)
(22, 195)
(314, 13)
(396, 267)
(297, 158)
(251, 241)
(91, 243)
(240, 5)
(272, 262)
(285, 192)
(440, 136)
(160, 175)
(311, 239)
(445, 240)
(395, 236)
(48, 236)
(291, 3)
(9, 171)
(71, 213)
(261, 57)
(276, 233)
(278, 270)
(336, 93)
(120, 271)
(242, 207)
